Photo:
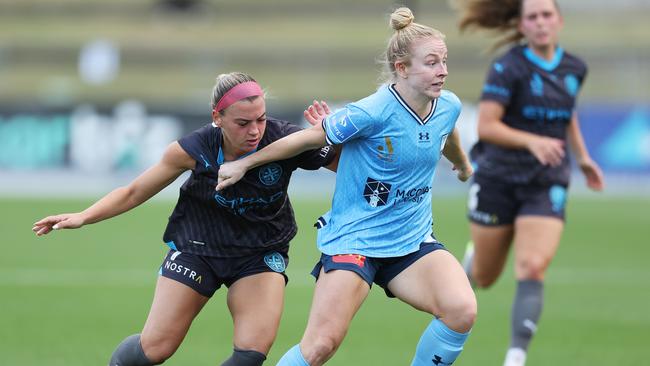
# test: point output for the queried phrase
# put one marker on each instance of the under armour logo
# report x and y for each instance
(424, 135)
(437, 360)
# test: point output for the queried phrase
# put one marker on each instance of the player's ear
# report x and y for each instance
(400, 69)
(216, 118)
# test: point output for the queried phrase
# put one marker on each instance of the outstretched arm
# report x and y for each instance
(284, 148)
(589, 168)
(174, 162)
(455, 154)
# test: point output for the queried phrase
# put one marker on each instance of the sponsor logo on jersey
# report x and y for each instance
(376, 192)
(356, 259)
(275, 261)
(540, 113)
(242, 204)
(414, 195)
(324, 151)
(270, 174)
(341, 125)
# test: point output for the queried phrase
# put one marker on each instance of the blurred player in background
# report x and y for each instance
(527, 120)
(379, 228)
(238, 237)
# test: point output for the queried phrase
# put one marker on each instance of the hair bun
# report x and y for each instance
(401, 18)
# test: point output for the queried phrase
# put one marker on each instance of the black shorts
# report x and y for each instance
(378, 270)
(205, 274)
(492, 202)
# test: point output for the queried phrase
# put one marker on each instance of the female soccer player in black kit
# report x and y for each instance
(238, 237)
(526, 120)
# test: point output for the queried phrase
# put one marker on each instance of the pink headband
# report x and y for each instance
(237, 93)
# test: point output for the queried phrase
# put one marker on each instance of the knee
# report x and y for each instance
(260, 342)
(321, 349)
(460, 315)
(158, 350)
(531, 268)
(131, 352)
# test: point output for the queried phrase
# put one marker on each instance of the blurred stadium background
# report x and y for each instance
(91, 91)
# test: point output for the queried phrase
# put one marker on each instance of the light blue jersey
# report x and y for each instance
(382, 202)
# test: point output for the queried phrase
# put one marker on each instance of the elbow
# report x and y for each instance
(129, 195)
(485, 131)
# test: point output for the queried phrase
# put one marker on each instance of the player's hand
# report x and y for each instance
(464, 173)
(316, 113)
(230, 173)
(593, 174)
(547, 150)
(57, 222)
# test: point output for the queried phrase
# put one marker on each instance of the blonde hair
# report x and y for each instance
(500, 16)
(225, 82)
(399, 44)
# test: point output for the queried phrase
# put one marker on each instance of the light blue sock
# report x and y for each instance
(293, 357)
(438, 345)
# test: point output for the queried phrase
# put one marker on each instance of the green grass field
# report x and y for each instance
(69, 298)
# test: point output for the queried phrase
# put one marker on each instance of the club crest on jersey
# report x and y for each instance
(275, 261)
(341, 125)
(376, 192)
(571, 84)
(270, 174)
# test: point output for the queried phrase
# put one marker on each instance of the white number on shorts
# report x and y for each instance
(472, 200)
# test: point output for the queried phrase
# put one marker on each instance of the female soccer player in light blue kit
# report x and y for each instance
(379, 228)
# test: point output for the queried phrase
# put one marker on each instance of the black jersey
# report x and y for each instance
(539, 97)
(248, 217)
